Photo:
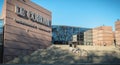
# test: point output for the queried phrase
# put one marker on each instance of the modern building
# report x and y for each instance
(102, 36)
(62, 34)
(24, 28)
(105, 35)
(88, 37)
(78, 38)
(1, 40)
(117, 32)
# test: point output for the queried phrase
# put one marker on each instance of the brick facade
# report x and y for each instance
(102, 36)
(25, 28)
(117, 32)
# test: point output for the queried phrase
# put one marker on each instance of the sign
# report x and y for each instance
(32, 16)
(30, 25)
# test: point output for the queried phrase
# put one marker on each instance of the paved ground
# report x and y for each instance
(59, 54)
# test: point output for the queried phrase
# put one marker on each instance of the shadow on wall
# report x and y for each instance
(55, 55)
(22, 42)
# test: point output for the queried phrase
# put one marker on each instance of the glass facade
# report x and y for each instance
(63, 34)
(1, 40)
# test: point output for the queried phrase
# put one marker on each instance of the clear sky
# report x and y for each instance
(82, 13)
(1, 5)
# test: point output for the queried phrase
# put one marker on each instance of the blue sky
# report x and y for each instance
(82, 13)
(1, 5)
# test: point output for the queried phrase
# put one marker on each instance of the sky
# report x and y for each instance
(1, 5)
(82, 13)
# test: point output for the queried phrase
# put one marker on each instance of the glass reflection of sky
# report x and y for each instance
(65, 33)
(1, 26)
